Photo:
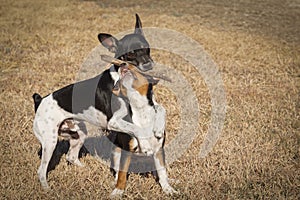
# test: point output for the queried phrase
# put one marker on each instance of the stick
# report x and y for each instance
(118, 62)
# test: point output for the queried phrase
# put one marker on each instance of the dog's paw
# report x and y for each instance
(116, 193)
(147, 151)
(75, 162)
(43, 180)
(78, 163)
(169, 190)
(145, 147)
(45, 185)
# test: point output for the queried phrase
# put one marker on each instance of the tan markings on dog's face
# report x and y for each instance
(140, 82)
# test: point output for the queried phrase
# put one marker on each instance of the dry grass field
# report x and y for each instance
(256, 46)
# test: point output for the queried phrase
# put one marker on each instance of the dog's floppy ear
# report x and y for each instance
(109, 42)
(138, 25)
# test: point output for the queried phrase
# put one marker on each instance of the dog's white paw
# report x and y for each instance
(169, 190)
(43, 180)
(145, 147)
(116, 193)
(75, 162)
(45, 185)
(78, 163)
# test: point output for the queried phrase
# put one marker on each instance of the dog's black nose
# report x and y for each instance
(146, 66)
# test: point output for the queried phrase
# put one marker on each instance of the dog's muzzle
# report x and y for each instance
(146, 66)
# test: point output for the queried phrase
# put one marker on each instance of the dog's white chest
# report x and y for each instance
(143, 118)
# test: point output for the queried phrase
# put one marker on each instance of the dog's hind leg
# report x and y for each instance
(76, 144)
(48, 146)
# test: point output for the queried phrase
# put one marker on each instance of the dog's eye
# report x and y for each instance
(131, 54)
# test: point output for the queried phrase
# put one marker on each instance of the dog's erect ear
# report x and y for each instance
(138, 25)
(109, 42)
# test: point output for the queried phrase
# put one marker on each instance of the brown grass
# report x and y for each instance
(256, 47)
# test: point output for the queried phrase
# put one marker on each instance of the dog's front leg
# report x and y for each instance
(117, 123)
(159, 161)
(159, 121)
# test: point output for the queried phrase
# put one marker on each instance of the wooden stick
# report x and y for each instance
(113, 60)
(118, 62)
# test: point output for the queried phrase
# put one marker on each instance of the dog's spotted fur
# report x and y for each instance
(61, 112)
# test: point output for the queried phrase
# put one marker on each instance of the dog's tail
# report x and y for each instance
(37, 100)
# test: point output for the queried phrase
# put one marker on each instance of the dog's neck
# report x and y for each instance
(142, 111)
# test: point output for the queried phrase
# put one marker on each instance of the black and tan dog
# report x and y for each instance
(61, 112)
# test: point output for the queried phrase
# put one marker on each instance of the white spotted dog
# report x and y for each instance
(62, 112)
(147, 114)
